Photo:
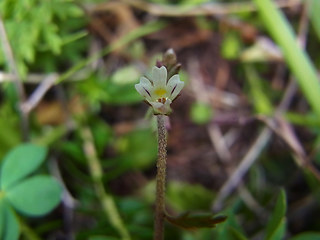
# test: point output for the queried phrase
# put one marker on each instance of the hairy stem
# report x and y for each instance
(161, 179)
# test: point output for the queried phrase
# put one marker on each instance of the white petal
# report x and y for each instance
(174, 86)
(144, 88)
(159, 77)
(146, 81)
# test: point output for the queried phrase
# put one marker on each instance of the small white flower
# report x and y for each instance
(159, 92)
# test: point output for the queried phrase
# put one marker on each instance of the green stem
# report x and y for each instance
(161, 179)
(297, 59)
(107, 202)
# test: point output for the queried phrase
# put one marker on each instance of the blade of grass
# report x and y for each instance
(314, 15)
(308, 119)
(298, 61)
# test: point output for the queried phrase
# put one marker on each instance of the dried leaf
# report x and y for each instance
(195, 220)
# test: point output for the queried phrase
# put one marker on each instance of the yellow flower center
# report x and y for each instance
(160, 92)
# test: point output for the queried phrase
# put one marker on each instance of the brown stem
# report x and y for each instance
(161, 179)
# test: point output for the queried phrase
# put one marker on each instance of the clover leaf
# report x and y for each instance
(29, 195)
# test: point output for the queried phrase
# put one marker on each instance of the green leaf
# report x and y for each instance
(190, 220)
(53, 40)
(183, 196)
(102, 134)
(137, 149)
(119, 94)
(307, 236)
(126, 75)
(35, 196)
(20, 162)
(280, 231)
(12, 226)
(230, 229)
(276, 225)
(309, 120)
(9, 226)
(120, 89)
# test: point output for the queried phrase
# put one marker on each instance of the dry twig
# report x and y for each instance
(18, 81)
(218, 140)
(265, 134)
(208, 9)
(38, 94)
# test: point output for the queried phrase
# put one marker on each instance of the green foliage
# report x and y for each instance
(260, 100)
(32, 26)
(201, 113)
(183, 197)
(9, 226)
(298, 61)
(34, 196)
(182, 2)
(192, 221)
(9, 127)
(275, 229)
(117, 89)
(313, 185)
(230, 46)
(131, 154)
(19, 163)
(139, 217)
(102, 134)
(121, 93)
(236, 235)
(307, 236)
(230, 229)
(103, 238)
(309, 119)
(314, 16)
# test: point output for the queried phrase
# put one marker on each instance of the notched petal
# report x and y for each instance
(159, 77)
(146, 81)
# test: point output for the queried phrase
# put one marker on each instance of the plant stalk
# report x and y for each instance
(161, 179)
(107, 201)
